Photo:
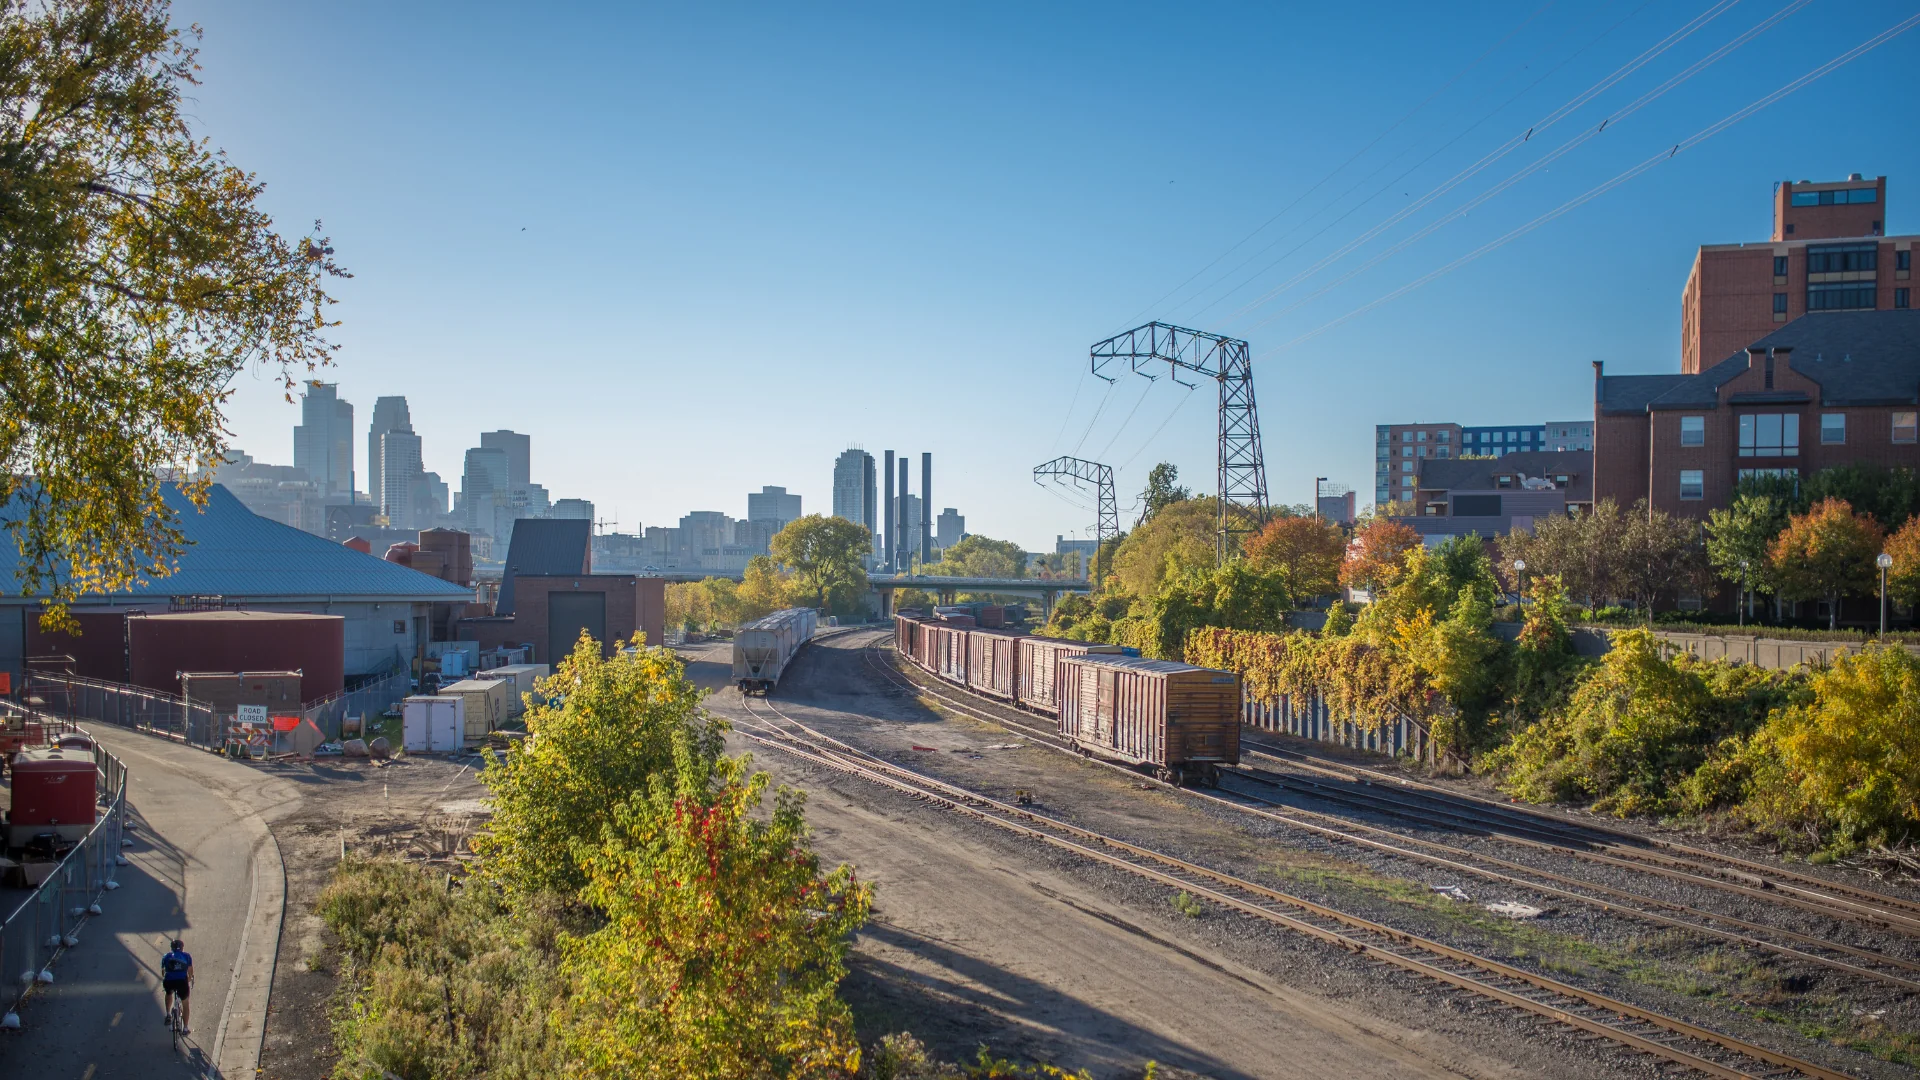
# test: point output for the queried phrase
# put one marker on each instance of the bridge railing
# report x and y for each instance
(49, 921)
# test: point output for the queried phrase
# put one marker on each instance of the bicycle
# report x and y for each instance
(173, 1019)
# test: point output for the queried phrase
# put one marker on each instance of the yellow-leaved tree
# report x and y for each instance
(724, 945)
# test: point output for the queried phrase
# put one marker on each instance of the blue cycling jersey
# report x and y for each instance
(175, 965)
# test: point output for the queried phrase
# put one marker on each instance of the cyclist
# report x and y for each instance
(176, 980)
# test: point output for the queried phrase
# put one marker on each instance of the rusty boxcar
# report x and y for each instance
(1035, 660)
(1180, 721)
(990, 662)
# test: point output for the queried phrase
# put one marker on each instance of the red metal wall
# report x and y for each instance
(99, 651)
(162, 646)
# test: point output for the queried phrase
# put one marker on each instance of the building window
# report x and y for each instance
(1693, 431)
(1770, 435)
(1406, 436)
(1841, 296)
(1842, 258)
(1445, 436)
(1903, 260)
(1406, 481)
(1833, 429)
(1693, 483)
(1562, 479)
(1779, 266)
(1503, 481)
(1423, 451)
(1842, 197)
(1406, 466)
(1903, 427)
(1779, 303)
(1440, 451)
(1902, 298)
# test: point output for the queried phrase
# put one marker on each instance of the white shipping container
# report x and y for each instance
(433, 724)
(522, 676)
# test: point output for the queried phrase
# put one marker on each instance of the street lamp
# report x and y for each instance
(1885, 563)
(1743, 592)
(1519, 579)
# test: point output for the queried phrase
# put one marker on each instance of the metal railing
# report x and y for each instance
(75, 698)
(1313, 719)
(49, 920)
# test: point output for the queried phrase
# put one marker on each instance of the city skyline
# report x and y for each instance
(485, 264)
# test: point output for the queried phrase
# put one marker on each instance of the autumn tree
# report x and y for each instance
(1740, 537)
(606, 726)
(139, 274)
(1379, 554)
(1659, 555)
(1162, 491)
(1181, 536)
(825, 555)
(724, 944)
(1903, 578)
(1306, 550)
(1825, 554)
(979, 556)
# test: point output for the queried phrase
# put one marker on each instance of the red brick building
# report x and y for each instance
(1830, 388)
(1829, 252)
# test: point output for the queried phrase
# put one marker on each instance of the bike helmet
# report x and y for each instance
(178, 945)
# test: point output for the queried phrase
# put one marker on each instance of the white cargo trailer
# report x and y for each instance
(763, 648)
(433, 724)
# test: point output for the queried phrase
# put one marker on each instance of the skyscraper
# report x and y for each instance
(951, 528)
(389, 414)
(774, 506)
(399, 467)
(853, 494)
(519, 449)
(323, 440)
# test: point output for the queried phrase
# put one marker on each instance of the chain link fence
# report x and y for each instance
(367, 702)
(49, 920)
(77, 699)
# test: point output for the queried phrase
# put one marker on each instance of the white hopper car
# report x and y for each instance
(763, 648)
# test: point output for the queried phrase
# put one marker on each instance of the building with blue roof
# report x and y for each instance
(234, 558)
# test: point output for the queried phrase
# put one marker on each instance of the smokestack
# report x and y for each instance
(926, 507)
(902, 552)
(891, 513)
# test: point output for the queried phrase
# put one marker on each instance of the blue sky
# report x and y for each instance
(696, 250)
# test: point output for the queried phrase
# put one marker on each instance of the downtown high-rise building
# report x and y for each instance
(389, 414)
(323, 440)
(855, 494)
(519, 451)
(949, 528)
(773, 506)
(399, 472)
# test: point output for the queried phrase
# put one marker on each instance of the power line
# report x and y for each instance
(1177, 406)
(1117, 432)
(1395, 182)
(1499, 153)
(1336, 170)
(1666, 155)
(1556, 154)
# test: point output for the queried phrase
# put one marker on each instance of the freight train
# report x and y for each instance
(763, 648)
(1178, 721)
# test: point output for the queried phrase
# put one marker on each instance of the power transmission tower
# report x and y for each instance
(1107, 512)
(1228, 361)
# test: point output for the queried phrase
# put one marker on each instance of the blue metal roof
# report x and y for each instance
(233, 552)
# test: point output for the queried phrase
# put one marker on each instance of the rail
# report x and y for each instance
(49, 920)
(76, 698)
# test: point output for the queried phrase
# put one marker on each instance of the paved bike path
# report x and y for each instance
(204, 868)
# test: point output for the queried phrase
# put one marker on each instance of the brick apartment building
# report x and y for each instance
(1494, 496)
(1830, 388)
(1829, 252)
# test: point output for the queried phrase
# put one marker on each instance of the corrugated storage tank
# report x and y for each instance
(160, 647)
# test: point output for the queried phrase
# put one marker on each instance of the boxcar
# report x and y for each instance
(1034, 662)
(763, 648)
(990, 662)
(1180, 721)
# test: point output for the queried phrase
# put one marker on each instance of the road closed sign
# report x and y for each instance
(253, 714)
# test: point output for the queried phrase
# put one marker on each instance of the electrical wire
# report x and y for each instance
(1514, 143)
(1104, 398)
(1336, 170)
(1568, 147)
(1067, 417)
(1121, 430)
(1177, 406)
(1688, 143)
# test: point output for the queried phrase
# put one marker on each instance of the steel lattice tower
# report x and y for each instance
(1107, 507)
(1242, 479)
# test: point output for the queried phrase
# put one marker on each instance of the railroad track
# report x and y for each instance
(1406, 797)
(1865, 963)
(1671, 1039)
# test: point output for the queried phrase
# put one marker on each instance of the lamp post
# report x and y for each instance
(1885, 563)
(1519, 579)
(1743, 593)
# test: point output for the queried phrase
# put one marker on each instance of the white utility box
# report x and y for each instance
(433, 724)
